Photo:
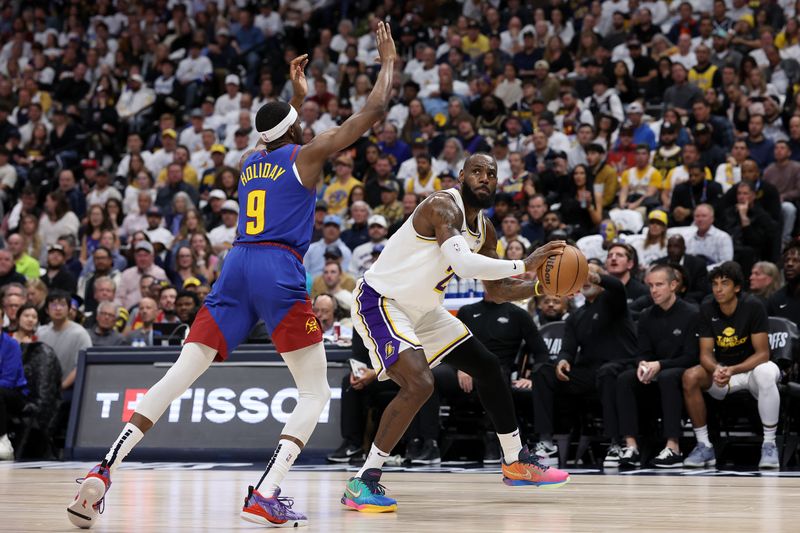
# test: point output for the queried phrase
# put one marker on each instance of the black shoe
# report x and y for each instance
(491, 450)
(345, 452)
(413, 449)
(668, 458)
(629, 458)
(429, 455)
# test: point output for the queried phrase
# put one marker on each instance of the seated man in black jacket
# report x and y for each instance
(689, 194)
(753, 231)
(598, 338)
(696, 281)
(786, 302)
(622, 262)
(667, 345)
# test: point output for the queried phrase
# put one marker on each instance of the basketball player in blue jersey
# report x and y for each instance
(262, 278)
(397, 309)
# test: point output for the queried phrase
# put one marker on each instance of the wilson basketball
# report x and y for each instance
(564, 274)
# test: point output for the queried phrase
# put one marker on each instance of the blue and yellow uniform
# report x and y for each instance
(263, 275)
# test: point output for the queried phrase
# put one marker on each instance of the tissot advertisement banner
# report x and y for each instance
(239, 406)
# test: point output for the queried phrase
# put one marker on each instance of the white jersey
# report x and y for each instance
(412, 269)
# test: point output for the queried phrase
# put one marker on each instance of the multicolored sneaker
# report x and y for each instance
(367, 495)
(90, 500)
(527, 470)
(275, 511)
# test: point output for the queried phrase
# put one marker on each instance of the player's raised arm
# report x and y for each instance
(511, 289)
(313, 155)
(297, 75)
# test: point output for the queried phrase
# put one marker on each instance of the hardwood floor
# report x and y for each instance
(185, 500)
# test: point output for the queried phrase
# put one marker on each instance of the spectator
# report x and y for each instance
(667, 345)
(602, 176)
(357, 234)
(639, 184)
(697, 190)
(654, 246)
(532, 229)
(65, 337)
(27, 324)
(338, 192)
(103, 333)
(709, 242)
(362, 255)
(13, 390)
(762, 150)
(734, 355)
(682, 94)
(134, 99)
(623, 263)
(784, 175)
(24, 263)
(12, 301)
(597, 336)
(141, 334)
(696, 275)
(786, 301)
(314, 259)
(102, 191)
(128, 290)
(390, 208)
(187, 305)
(103, 268)
(331, 284)
(752, 230)
(222, 236)
(166, 305)
(57, 275)
(57, 219)
(175, 184)
(765, 280)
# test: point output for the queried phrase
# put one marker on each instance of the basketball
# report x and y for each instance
(564, 274)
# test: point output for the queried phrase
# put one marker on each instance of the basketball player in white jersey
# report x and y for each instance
(397, 310)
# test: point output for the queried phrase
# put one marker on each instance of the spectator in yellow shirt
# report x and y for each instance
(474, 43)
(189, 173)
(337, 193)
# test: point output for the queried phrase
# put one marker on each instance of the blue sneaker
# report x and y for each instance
(367, 495)
(769, 456)
(700, 457)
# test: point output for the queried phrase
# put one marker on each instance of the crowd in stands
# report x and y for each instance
(647, 132)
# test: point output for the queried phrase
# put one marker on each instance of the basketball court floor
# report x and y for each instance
(175, 497)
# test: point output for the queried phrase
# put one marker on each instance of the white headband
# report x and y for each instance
(278, 131)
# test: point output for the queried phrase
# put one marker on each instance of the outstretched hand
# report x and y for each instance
(540, 255)
(383, 38)
(297, 74)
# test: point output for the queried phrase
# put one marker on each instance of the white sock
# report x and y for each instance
(511, 444)
(277, 468)
(375, 459)
(128, 438)
(702, 436)
(769, 434)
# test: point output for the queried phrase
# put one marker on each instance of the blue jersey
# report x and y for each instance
(273, 205)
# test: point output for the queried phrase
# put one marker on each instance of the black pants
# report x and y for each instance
(583, 381)
(11, 403)
(631, 391)
(356, 404)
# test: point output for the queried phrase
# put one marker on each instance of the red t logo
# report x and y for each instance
(132, 397)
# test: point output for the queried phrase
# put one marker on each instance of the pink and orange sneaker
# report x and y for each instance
(527, 470)
(275, 511)
(89, 503)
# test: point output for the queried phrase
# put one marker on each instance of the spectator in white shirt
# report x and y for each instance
(193, 71)
(135, 98)
(244, 124)
(134, 147)
(137, 221)
(102, 191)
(240, 141)
(230, 100)
(340, 41)
(201, 159)
(428, 73)
(191, 136)
(223, 235)
(708, 241)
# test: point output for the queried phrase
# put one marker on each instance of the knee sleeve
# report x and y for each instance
(195, 358)
(310, 372)
(766, 375)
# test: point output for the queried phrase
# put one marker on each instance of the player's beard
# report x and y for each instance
(471, 199)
